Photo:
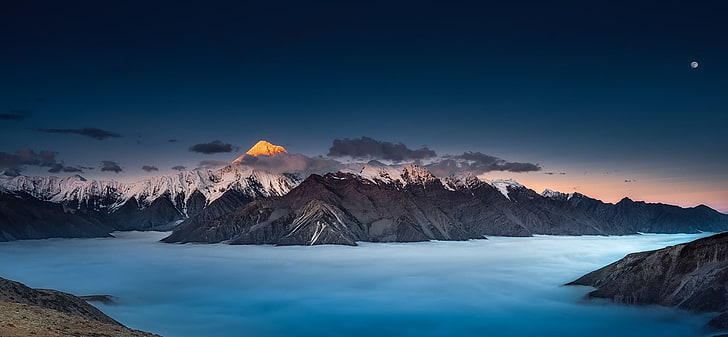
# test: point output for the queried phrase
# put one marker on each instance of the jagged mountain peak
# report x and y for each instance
(79, 177)
(552, 194)
(415, 174)
(465, 180)
(626, 200)
(504, 185)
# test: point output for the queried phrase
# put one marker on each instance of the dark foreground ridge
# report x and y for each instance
(43, 312)
(691, 276)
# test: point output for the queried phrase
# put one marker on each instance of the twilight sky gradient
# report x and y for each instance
(601, 91)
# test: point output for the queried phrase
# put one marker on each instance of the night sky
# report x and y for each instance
(599, 94)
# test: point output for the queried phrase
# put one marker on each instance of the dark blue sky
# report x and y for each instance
(582, 87)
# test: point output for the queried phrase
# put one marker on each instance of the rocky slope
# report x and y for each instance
(26, 311)
(691, 276)
(381, 204)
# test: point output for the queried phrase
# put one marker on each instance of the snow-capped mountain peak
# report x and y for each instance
(416, 175)
(378, 172)
(503, 185)
(262, 148)
(551, 194)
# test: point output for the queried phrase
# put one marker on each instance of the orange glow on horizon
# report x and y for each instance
(612, 188)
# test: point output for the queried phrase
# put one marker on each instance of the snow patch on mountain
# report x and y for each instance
(551, 194)
(503, 185)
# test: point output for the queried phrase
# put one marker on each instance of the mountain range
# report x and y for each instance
(243, 204)
(158, 203)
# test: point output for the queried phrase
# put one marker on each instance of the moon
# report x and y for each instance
(694, 64)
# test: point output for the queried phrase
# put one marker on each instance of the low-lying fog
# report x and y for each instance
(497, 287)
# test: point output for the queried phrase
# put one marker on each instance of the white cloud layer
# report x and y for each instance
(497, 287)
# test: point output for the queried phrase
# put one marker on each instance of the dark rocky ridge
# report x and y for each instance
(691, 276)
(342, 208)
(649, 217)
(336, 208)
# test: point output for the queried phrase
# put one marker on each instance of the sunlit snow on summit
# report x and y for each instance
(262, 148)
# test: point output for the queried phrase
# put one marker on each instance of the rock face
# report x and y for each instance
(381, 205)
(691, 276)
(334, 209)
(23, 216)
(26, 311)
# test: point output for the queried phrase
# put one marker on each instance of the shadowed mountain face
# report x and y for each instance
(22, 216)
(336, 208)
(342, 208)
(692, 276)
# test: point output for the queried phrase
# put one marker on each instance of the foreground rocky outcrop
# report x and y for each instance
(43, 312)
(691, 276)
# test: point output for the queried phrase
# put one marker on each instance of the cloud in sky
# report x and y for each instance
(370, 148)
(149, 168)
(13, 164)
(15, 115)
(478, 163)
(172, 140)
(110, 165)
(179, 168)
(292, 163)
(94, 133)
(56, 168)
(211, 164)
(475, 162)
(26, 156)
(213, 147)
(12, 172)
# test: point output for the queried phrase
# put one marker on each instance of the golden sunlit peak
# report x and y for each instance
(263, 148)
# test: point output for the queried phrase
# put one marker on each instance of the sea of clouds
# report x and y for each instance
(501, 287)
